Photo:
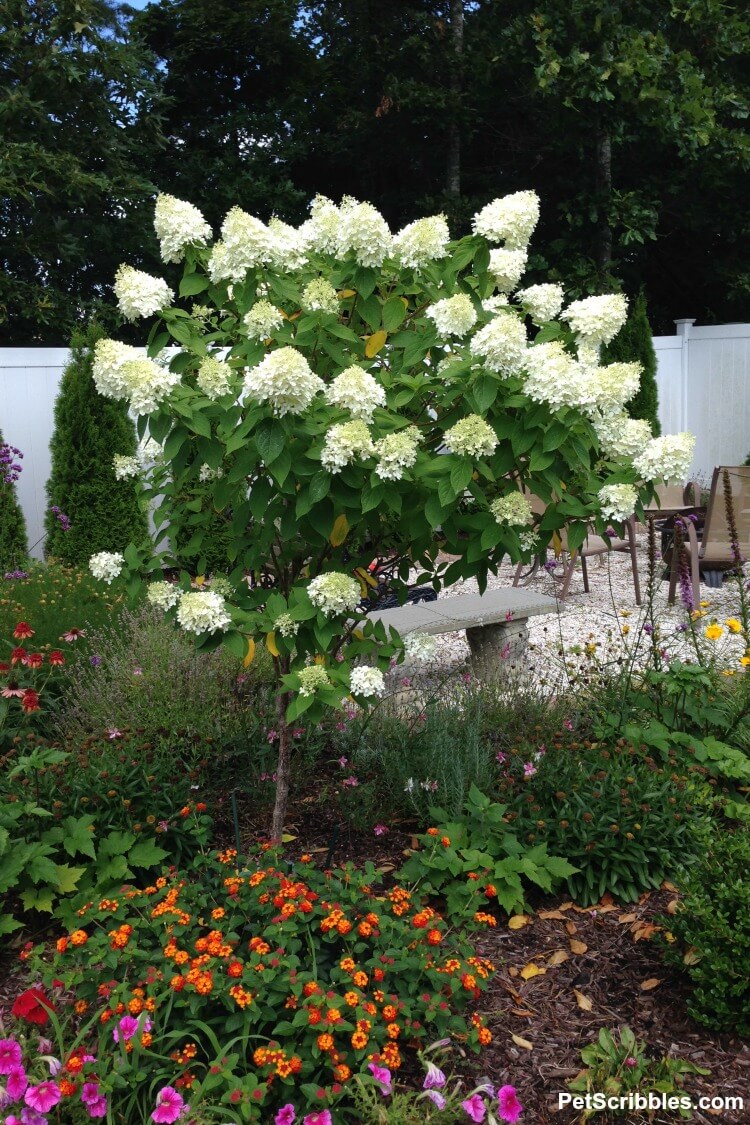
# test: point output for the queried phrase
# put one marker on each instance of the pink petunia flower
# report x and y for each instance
(97, 1107)
(169, 1105)
(90, 1092)
(285, 1116)
(10, 1055)
(127, 1027)
(16, 1083)
(436, 1097)
(382, 1075)
(321, 1118)
(435, 1077)
(43, 1096)
(475, 1107)
(509, 1106)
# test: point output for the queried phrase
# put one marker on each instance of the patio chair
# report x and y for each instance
(713, 554)
(594, 545)
(674, 500)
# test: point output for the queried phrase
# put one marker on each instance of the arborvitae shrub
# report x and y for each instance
(13, 543)
(634, 343)
(89, 430)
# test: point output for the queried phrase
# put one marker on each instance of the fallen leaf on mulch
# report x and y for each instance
(577, 946)
(547, 914)
(571, 927)
(582, 1001)
(519, 1042)
(671, 907)
(652, 982)
(531, 970)
(644, 930)
(628, 918)
(522, 1012)
(558, 957)
(518, 921)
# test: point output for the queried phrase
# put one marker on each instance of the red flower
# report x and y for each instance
(56, 657)
(30, 701)
(22, 631)
(34, 660)
(18, 654)
(33, 1006)
(4, 667)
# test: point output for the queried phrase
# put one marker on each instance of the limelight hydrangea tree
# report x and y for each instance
(336, 374)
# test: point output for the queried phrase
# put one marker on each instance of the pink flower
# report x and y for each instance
(322, 1118)
(567, 724)
(380, 830)
(16, 1082)
(343, 761)
(10, 1055)
(113, 732)
(475, 1107)
(435, 1077)
(43, 1096)
(285, 1116)
(272, 735)
(97, 1107)
(631, 1061)
(509, 1105)
(500, 757)
(352, 782)
(436, 1097)
(169, 1105)
(127, 1027)
(382, 1075)
(90, 1092)
(529, 769)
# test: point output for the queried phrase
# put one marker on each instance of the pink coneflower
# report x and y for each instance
(508, 1104)
(169, 1105)
(10, 1055)
(73, 635)
(43, 1096)
(10, 691)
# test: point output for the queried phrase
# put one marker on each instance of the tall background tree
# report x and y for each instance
(89, 430)
(79, 116)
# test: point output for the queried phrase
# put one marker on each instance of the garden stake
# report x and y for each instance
(235, 820)
(332, 845)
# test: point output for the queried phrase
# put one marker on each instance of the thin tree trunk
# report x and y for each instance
(453, 172)
(283, 765)
(604, 192)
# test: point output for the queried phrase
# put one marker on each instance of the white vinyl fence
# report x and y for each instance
(703, 379)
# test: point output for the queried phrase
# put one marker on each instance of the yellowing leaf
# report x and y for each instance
(556, 544)
(518, 921)
(200, 580)
(344, 293)
(692, 957)
(577, 946)
(652, 982)
(528, 972)
(519, 1042)
(365, 576)
(582, 1001)
(271, 644)
(558, 957)
(287, 838)
(339, 532)
(375, 343)
(250, 654)
(319, 658)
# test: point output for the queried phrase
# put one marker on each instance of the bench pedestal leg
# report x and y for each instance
(496, 649)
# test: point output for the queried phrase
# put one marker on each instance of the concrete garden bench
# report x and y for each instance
(495, 623)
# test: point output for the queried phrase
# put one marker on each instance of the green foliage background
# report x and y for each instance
(13, 542)
(634, 342)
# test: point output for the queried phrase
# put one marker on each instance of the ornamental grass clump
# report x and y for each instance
(336, 377)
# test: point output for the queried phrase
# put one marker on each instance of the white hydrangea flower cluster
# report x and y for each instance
(423, 241)
(110, 356)
(396, 452)
(320, 296)
(213, 377)
(553, 376)
(618, 501)
(541, 302)
(245, 243)
(126, 467)
(148, 384)
(357, 391)
(207, 473)
(496, 302)
(507, 267)
(513, 509)
(106, 565)
(528, 540)
(599, 319)
(511, 219)
(140, 294)
(220, 584)
(322, 228)
(203, 611)
(178, 224)
(288, 247)
(501, 344)
(364, 231)
(621, 436)
(286, 625)
(334, 593)
(262, 320)
(150, 452)
(453, 316)
(420, 646)
(615, 384)
(312, 677)
(666, 458)
(163, 595)
(471, 437)
(285, 379)
(345, 443)
(366, 681)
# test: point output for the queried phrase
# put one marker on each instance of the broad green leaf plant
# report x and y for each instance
(327, 379)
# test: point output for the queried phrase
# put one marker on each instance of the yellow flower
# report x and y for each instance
(697, 613)
(744, 661)
(625, 630)
(713, 632)
(733, 625)
(728, 672)
(703, 604)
